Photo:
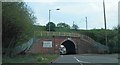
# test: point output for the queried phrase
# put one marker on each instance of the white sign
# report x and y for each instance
(47, 43)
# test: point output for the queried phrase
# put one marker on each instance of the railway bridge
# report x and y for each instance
(49, 42)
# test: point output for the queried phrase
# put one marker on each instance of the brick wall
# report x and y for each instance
(82, 46)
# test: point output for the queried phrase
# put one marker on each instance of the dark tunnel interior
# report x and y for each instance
(70, 47)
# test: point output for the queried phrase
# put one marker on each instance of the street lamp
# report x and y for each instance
(49, 17)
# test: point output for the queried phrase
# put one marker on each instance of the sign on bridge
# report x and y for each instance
(47, 43)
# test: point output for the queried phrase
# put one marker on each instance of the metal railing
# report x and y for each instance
(44, 33)
(24, 47)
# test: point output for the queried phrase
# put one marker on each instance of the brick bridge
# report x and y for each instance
(49, 42)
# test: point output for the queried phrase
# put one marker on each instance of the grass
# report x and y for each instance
(31, 58)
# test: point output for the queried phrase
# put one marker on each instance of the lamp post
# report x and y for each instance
(49, 20)
(50, 16)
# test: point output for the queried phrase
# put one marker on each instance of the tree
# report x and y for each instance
(50, 26)
(17, 24)
(75, 26)
(63, 25)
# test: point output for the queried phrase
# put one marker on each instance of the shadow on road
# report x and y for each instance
(83, 64)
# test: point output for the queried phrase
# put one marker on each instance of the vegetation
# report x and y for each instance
(75, 26)
(31, 58)
(63, 25)
(17, 24)
(99, 36)
(50, 26)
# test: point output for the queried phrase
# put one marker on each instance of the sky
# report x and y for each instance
(75, 10)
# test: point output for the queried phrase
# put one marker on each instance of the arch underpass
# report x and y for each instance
(70, 46)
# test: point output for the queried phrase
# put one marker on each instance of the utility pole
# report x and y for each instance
(86, 23)
(73, 25)
(73, 22)
(105, 23)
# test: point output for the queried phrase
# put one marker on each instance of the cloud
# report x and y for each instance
(41, 21)
(76, 8)
(87, 7)
(74, 11)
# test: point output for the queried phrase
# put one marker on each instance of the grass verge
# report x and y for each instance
(31, 58)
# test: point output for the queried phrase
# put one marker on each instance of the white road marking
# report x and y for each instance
(78, 61)
(61, 55)
(81, 61)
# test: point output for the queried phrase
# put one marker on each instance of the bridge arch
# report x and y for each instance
(70, 46)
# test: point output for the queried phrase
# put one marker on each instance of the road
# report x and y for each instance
(88, 59)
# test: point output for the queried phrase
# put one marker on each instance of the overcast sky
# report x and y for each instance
(76, 10)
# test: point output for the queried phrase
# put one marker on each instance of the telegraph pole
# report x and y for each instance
(86, 23)
(105, 23)
(73, 22)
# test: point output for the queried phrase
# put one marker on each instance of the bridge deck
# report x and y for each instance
(45, 33)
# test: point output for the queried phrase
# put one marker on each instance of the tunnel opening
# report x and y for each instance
(70, 47)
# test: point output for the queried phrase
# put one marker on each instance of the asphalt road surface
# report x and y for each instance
(87, 59)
